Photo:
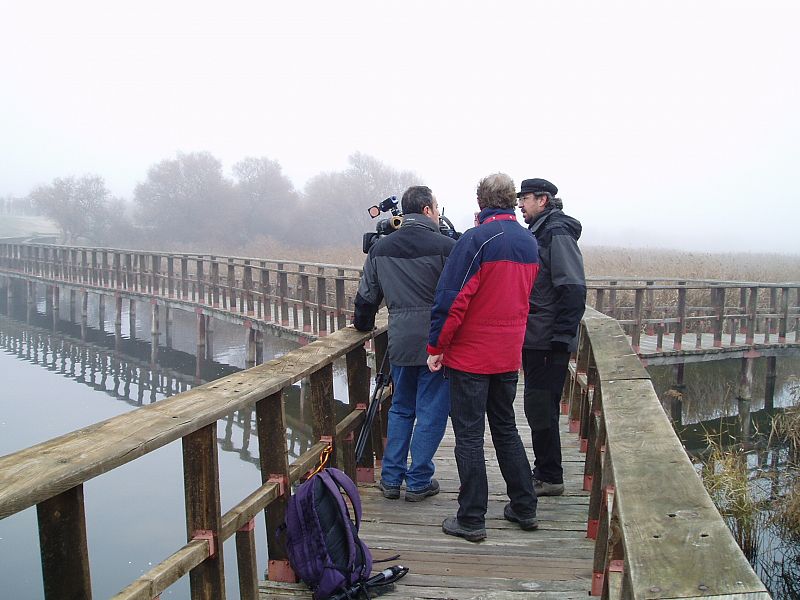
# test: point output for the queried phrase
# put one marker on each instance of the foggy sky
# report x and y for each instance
(663, 124)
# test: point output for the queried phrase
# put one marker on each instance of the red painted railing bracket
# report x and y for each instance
(207, 534)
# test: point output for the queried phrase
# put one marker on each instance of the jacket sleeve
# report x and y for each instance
(368, 298)
(457, 285)
(569, 283)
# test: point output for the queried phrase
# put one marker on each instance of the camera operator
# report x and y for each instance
(404, 268)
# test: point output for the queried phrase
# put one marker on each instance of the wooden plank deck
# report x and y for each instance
(553, 562)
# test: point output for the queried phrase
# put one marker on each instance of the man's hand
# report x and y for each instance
(434, 362)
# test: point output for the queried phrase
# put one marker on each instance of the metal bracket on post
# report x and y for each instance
(282, 481)
(207, 534)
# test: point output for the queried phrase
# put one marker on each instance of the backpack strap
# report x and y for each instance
(333, 487)
(344, 482)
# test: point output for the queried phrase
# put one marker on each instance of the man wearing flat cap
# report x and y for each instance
(555, 309)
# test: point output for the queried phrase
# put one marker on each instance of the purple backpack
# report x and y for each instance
(322, 539)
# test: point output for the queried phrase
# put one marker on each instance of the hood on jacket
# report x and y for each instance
(556, 215)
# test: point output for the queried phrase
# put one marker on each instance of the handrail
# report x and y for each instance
(51, 475)
(658, 533)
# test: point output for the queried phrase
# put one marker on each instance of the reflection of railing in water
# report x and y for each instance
(116, 373)
(51, 475)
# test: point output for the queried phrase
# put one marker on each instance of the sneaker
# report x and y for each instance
(392, 492)
(528, 523)
(417, 496)
(545, 488)
(451, 526)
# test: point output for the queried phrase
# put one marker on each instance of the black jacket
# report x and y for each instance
(403, 268)
(558, 298)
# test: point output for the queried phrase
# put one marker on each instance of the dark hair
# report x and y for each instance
(416, 198)
(497, 191)
(551, 200)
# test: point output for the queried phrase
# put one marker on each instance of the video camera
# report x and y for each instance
(386, 226)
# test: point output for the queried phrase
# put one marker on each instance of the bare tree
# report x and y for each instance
(186, 199)
(79, 206)
(265, 198)
(340, 199)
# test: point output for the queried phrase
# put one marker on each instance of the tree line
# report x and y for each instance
(188, 201)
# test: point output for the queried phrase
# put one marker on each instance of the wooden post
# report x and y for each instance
(784, 319)
(305, 296)
(214, 282)
(681, 318)
(751, 316)
(200, 353)
(358, 395)
(274, 460)
(600, 298)
(719, 317)
(283, 292)
(265, 291)
(203, 518)
(184, 277)
(247, 284)
(341, 317)
(231, 281)
(636, 334)
(117, 270)
(63, 545)
(171, 276)
(612, 300)
(201, 281)
(322, 297)
(323, 408)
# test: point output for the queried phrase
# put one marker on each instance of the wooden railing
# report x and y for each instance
(318, 298)
(51, 475)
(311, 297)
(732, 312)
(658, 533)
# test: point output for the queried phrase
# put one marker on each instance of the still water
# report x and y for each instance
(54, 382)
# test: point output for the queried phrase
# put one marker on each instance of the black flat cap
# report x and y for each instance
(537, 186)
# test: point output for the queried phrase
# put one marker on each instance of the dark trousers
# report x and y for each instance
(545, 372)
(473, 398)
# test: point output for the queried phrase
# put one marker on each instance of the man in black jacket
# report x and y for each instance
(404, 268)
(556, 306)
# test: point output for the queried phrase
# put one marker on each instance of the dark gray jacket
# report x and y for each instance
(558, 298)
(403, 268)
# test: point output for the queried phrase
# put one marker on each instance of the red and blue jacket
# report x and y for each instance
(480, 309)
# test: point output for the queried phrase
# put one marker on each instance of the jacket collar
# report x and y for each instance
(493, 212)
(540, 220)
(418, 219)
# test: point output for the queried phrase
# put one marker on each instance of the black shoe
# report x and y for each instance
(389, 491)
(451, 526)
(528, 523)
(545, 488)
(419, 495)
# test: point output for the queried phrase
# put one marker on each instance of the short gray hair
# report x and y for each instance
(497, 191)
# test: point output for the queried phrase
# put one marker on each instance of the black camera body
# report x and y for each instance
(386, 226)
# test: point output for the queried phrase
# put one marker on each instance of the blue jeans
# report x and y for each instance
(474, 398)
(422, 397)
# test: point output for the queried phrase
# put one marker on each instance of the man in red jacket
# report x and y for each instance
(478, 324)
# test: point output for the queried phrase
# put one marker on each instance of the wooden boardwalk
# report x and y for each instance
(554, 561)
